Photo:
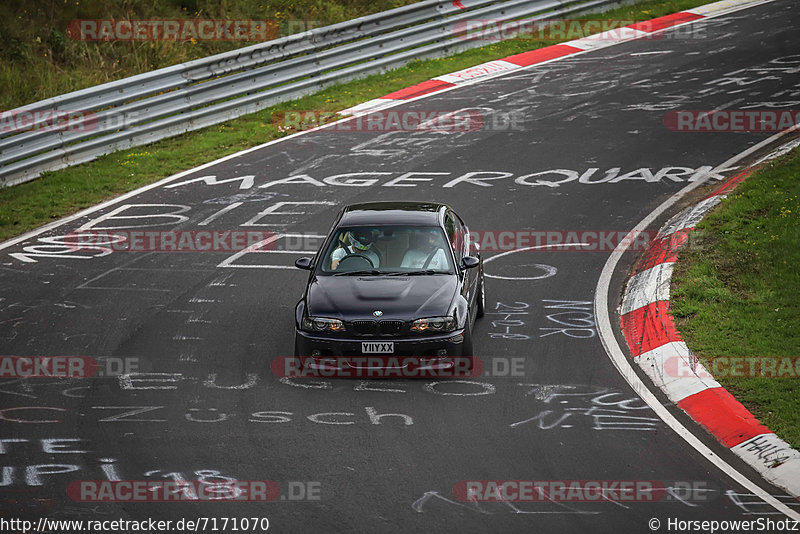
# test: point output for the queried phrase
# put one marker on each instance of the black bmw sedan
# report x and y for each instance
(391, 279)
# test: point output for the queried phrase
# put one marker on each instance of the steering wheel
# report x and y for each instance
(354, 255)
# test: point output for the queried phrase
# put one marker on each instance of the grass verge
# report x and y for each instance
(59, 193)
(734, 293)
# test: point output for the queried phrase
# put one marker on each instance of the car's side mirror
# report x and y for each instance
(303, 263)
(468, 262)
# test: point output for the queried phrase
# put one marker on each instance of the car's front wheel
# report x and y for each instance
(481, 308)
(466, 346)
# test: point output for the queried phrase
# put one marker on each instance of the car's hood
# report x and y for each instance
(398, 297)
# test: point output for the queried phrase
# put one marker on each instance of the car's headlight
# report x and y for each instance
(434, 324)
(322, 324)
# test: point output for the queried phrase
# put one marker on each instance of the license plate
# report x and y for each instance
(374, 347)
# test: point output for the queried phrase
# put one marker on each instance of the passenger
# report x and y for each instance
(426, 253)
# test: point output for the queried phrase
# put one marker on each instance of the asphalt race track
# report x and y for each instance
(185, 340)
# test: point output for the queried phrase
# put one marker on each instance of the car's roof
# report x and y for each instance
(421, 213)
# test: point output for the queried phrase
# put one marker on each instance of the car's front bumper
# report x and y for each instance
(440, 345)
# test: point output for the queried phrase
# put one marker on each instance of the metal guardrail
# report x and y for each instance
(166, 102)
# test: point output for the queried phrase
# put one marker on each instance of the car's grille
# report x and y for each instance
(390, 327)
(365, 328)
(372, 328)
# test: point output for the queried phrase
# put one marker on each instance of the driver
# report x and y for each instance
(357, 242)
(427, 252)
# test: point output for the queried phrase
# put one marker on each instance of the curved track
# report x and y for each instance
(202, 328)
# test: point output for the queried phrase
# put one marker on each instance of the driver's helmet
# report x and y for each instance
(360, 239)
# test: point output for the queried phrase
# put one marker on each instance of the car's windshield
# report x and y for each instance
(387, 250)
